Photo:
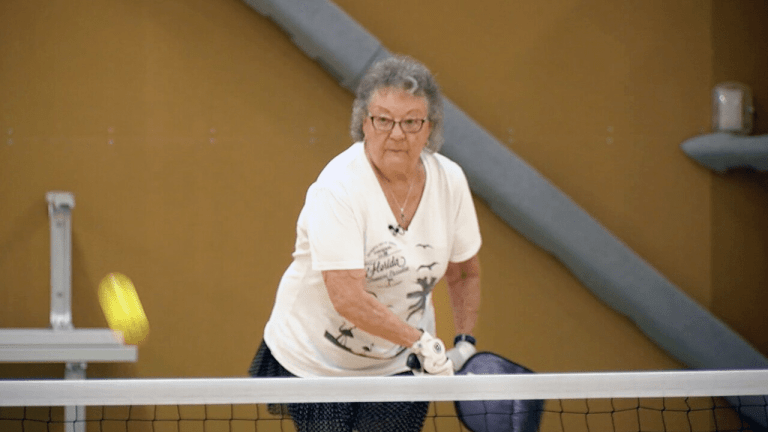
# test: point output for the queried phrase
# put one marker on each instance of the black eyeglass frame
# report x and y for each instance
(399, 123)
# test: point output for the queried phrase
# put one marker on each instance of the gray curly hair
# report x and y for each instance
(405, 73)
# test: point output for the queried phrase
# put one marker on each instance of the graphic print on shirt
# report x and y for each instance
(427, 284)
(386, 268)
(345, 339)
(383, 264)
(384, 261)
(427, 266)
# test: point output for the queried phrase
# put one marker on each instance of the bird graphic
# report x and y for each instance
(426, 266)
(422, 245)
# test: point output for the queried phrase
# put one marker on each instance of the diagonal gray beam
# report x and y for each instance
(327, 35)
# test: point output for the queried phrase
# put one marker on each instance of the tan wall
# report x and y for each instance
(740, 197)
(189, 131)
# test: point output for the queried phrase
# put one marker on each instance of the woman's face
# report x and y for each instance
(396, 150)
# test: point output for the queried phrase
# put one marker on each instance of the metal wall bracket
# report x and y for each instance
(60, 205)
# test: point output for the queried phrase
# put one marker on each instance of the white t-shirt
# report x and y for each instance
(346, 223)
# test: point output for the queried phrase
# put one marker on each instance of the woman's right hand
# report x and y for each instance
(432, 355)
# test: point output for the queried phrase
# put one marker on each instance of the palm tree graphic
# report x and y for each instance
(427, 284)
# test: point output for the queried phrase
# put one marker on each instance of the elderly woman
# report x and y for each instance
(384, 222)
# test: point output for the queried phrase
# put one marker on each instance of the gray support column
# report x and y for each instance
(74, 416)
(60, 205)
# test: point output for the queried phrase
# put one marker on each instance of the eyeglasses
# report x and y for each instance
(386, 124)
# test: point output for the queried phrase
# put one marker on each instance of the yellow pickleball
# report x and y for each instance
(122, 308)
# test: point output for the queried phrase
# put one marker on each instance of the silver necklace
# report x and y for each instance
(405, 203)
(407, 196)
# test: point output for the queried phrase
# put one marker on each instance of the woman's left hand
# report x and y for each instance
(460, 353)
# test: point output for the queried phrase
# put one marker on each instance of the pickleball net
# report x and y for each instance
(569, 402)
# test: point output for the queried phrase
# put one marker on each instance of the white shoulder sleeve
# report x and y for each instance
(334, 230)
(467, 240)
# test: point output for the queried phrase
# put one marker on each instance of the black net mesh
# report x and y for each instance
(647, 414)
(588, 415)
(362, 416)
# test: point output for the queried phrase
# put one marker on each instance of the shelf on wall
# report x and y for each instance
(723, 151)
(64, 346)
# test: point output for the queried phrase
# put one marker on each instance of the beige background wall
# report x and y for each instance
(740, 197)
(189, 131)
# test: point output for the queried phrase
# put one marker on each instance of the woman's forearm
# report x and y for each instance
(463, 281)
(349, 298)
